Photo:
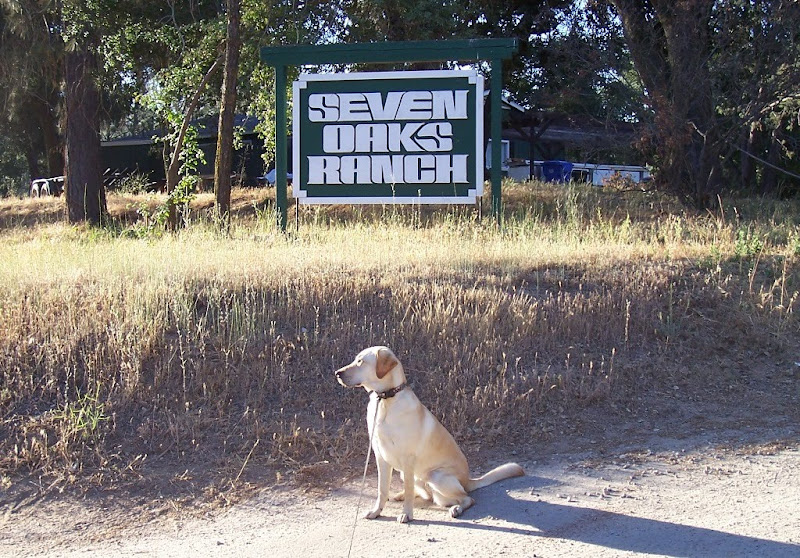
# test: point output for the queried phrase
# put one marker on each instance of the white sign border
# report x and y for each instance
(473, 193)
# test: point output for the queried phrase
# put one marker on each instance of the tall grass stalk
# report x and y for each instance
(201, 342)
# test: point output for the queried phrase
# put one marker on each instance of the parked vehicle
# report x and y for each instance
(47, 187)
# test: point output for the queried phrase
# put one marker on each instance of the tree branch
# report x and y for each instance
(172, 172)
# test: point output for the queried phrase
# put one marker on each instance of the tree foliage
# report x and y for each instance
(406, 20)
(711, 83)
(575, 61)
(756, 68)
(711, 71)
(30, 79)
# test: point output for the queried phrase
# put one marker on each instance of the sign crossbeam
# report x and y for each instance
(467, 50)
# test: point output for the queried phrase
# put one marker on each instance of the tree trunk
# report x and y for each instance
(686, 28)
(670, 47)
(227, 113)
(83, 183)
(32, 158)
(54, 147)
(44, 124)
(174, 164)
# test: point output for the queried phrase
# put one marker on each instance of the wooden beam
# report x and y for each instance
(388, 52)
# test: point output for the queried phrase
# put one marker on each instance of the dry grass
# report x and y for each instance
(121, 345)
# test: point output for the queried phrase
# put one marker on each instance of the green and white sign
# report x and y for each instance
(388, 137)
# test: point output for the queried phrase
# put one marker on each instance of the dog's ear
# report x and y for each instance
(386, 361)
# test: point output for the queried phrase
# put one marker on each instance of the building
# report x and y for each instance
(143, 153)
(594, 150)
(530, 138)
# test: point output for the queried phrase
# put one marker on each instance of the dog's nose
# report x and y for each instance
(340, 376)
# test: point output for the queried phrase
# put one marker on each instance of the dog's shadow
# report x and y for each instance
(506, 508)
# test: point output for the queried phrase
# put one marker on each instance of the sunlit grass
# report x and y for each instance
(208, 341)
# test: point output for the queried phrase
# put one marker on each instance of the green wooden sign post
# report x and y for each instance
(469, 50)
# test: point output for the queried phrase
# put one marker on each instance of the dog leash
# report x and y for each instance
(364, 477)
(382, 396)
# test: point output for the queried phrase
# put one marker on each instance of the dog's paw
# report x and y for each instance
(372, 514)
(404, 518)
(456, 511)
(398, 496)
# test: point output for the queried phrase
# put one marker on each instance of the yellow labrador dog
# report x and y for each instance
(407, 437)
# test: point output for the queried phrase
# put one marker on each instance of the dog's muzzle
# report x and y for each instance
(340, 378)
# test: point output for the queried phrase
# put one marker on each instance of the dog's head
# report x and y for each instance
(374, 369)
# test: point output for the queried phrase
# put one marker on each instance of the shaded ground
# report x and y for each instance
(673, 476)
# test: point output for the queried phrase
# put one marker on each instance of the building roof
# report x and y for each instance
(206, 129)
(575, 133)
(549, 126)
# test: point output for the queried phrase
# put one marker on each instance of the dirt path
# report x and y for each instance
(705, 501)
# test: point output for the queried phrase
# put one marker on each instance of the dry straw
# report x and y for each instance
(123, 343)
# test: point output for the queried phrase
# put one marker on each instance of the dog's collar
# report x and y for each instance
(388, 394)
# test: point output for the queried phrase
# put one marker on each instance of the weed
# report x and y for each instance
(794, 244)
(83, 419)
(748, 245)
(135, 184)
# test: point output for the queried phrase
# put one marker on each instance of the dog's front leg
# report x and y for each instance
(384, 479)
(408, 496)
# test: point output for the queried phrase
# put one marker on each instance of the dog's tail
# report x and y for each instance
(497, 474)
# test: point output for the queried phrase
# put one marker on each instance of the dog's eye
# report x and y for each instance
(359, 362)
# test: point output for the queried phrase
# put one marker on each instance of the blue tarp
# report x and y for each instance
(556, 171)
